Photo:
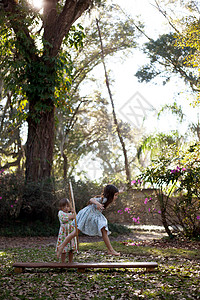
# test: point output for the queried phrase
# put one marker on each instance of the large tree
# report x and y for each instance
(33, 67)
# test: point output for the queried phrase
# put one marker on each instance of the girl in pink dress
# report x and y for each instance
(66, 217)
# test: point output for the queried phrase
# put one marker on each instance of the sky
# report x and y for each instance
(134, 100)
(129, 94)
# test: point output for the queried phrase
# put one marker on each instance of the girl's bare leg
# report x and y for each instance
(63, 257)
(70, 256)
(107, 242)
(66, 241)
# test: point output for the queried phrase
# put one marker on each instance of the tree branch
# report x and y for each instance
(17, 17)
(164, 13)
(55, 31)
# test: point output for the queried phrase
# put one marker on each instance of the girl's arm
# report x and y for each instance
(99, 205)
(65, 217)
(72, 215)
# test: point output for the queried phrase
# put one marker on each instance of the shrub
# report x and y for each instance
(24, 229)
(11, 192)
(38, 201)
(118, 229)
(177, 188)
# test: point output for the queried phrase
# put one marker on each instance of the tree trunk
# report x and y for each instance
(65, 166)
(163, 216)
(126, 163)
(40, 74)
(165, 224)
(39, 147)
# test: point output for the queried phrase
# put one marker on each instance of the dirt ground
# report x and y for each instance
(144, 238)
(27, 242)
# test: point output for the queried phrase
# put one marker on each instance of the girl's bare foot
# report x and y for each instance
(59, 252)
(113, 252)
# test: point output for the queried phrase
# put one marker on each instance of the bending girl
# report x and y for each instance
(91, 221)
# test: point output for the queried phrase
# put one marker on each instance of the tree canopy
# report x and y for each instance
(36, 69)
(176, 52)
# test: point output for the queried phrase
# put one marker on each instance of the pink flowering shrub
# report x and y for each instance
(177, 190)
(146, 212)
(132, 214)
(136, 182)
(11, 194)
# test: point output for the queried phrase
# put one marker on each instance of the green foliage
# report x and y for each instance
(174, 109)
(189, 38)
(11, 148)
(29, 229)
(157, 143)
(175, 173)
(117, 229)
(38, 201)
(76, 36)
(188, 208)
(166, 58)
(11, 190)
(25, 202)
(29, 71)
(177, 52)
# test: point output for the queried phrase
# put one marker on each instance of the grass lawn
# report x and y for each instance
(178, 275)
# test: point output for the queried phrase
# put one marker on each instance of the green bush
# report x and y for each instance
(11, 192)
(38, 228)
(117, 229)
(28, 207)
(28, 202)
(175, 178)
(38, 201)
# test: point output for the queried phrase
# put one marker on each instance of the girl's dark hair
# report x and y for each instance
(109, 191)
(63, 202)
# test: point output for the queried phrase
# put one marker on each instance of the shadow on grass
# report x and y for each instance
(142, 250)
(176, 278)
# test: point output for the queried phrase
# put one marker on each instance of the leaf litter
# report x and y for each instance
(177, 276)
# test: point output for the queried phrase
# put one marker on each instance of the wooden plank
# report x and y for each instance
(18, 270)
(150, 266)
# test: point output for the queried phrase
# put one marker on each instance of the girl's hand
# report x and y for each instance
(92, 200)
(71, 216)
(100, 206)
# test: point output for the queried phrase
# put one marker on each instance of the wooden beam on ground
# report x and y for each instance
(149, 266)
